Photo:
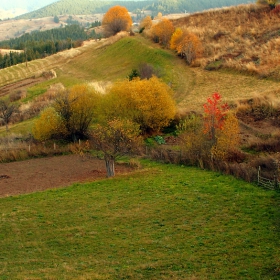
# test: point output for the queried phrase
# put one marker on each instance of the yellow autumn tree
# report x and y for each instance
(48, 125)
(149, 103)
(70, 115)
(186, 44)
(162, 32)
(115, 138)
(227, 139)
(115, 20)
(176, 38)
(146, 23)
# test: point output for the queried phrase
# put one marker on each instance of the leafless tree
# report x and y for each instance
(6, 111)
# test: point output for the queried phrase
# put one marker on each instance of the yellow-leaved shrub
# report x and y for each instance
(149, 103)
(48, 125)
(70, 115)
(227, 139)
(115, 20)
(162, 32)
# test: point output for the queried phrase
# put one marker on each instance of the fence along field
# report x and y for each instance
(268, 183)
(167, 155)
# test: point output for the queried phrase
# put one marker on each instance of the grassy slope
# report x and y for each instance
(112, 62)
(244, 37)
(164, 222)
(192, 86)
(105, 63)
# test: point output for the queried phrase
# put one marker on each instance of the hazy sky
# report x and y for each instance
(24, 4)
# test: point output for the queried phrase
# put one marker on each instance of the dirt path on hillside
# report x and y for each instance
(54, 172)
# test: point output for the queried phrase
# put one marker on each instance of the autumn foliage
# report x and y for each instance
(48, 125)
(227, 138)
(148, 103)
(186, 44)
(214, 115)
(115, 20)
(146, 23)
(70, 116)
(162, 32)
(115, 138)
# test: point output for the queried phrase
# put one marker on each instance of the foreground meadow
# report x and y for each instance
(160, 222)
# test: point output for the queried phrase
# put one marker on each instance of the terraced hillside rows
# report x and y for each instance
(36, 67)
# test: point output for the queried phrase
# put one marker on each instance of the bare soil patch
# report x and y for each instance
(20, 85)
(45, 173)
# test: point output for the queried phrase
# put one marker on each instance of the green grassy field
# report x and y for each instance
(160, 222)
(22, 128)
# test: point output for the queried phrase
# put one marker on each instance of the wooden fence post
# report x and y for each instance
(259, 171)
(276, 185)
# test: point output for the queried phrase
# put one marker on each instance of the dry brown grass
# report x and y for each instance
(244, 38)
(14, 147)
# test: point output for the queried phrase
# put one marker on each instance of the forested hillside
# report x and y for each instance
(40, 44)
(165, 6)
(190, 6)
(82, 7)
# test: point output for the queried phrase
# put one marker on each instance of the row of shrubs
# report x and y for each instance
(247, 170)
(240, 166)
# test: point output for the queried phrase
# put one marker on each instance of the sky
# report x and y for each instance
(10, 8)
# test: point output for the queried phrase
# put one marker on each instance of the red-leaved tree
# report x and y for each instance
(214, 115)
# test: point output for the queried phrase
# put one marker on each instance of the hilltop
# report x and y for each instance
(244, 38)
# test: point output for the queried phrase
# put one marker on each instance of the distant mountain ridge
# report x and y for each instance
(81, 7)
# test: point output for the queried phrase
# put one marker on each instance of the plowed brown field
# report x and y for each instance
(54, 172)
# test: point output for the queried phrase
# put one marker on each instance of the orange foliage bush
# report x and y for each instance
(162, 32)
(186, 44)
(115, 20)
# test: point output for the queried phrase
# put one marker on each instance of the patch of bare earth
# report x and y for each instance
(20, 85)
(54, 172)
